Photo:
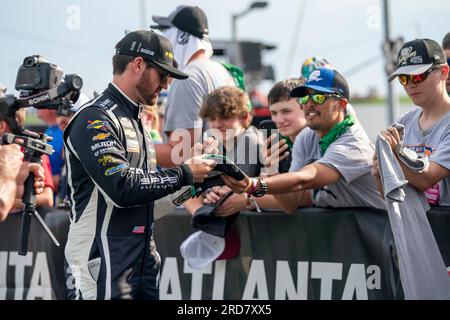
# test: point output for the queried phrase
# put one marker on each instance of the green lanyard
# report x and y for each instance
(335, 133)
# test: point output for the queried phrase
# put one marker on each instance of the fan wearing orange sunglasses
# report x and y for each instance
(422, 70)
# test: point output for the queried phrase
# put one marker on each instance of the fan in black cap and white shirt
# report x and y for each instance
(187, 29)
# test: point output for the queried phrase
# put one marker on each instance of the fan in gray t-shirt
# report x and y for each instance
(422, 71)
(332, 158)
(351, 155)
(433, 142)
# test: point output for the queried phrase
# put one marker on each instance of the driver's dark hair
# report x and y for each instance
(120, 62)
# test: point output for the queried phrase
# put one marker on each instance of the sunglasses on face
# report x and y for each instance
(416, 78)
(318, 98)
(163, 75)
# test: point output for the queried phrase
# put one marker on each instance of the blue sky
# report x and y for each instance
(79, 35)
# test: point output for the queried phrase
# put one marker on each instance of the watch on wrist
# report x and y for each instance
(263, 188)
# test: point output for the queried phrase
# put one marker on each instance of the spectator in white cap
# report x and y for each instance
(187, 29)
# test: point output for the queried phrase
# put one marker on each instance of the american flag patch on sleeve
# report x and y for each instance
(138, 229)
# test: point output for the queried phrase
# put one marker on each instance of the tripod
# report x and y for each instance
(34, 148)
(29, 200)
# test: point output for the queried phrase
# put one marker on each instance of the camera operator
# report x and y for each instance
(45, 198)
(13, 173)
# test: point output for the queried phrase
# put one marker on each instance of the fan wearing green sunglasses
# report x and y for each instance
(331, 157)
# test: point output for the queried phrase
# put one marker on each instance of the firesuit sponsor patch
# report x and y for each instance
(115, 169)
(97, 124)
(129, 133)
(106, 103)
(107, 159)
(101, 136)
(94, 267)
(126, 123)
(103, 144)
(103, 151)
(132, 145)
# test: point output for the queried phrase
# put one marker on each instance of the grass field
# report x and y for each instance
(379, 100)
(33, 121)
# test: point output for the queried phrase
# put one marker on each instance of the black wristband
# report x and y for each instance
(187, 178)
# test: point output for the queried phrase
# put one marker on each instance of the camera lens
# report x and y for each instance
(76, 82)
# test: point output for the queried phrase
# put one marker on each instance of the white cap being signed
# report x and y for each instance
(201, 248)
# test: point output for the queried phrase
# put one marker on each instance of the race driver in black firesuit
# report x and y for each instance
(112, 183)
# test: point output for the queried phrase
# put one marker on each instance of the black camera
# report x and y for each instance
(42, 86)
(38, 74)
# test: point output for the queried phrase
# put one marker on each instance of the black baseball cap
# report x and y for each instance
(186, 18)
(324, 80)
(151, 47)
(417, 56)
